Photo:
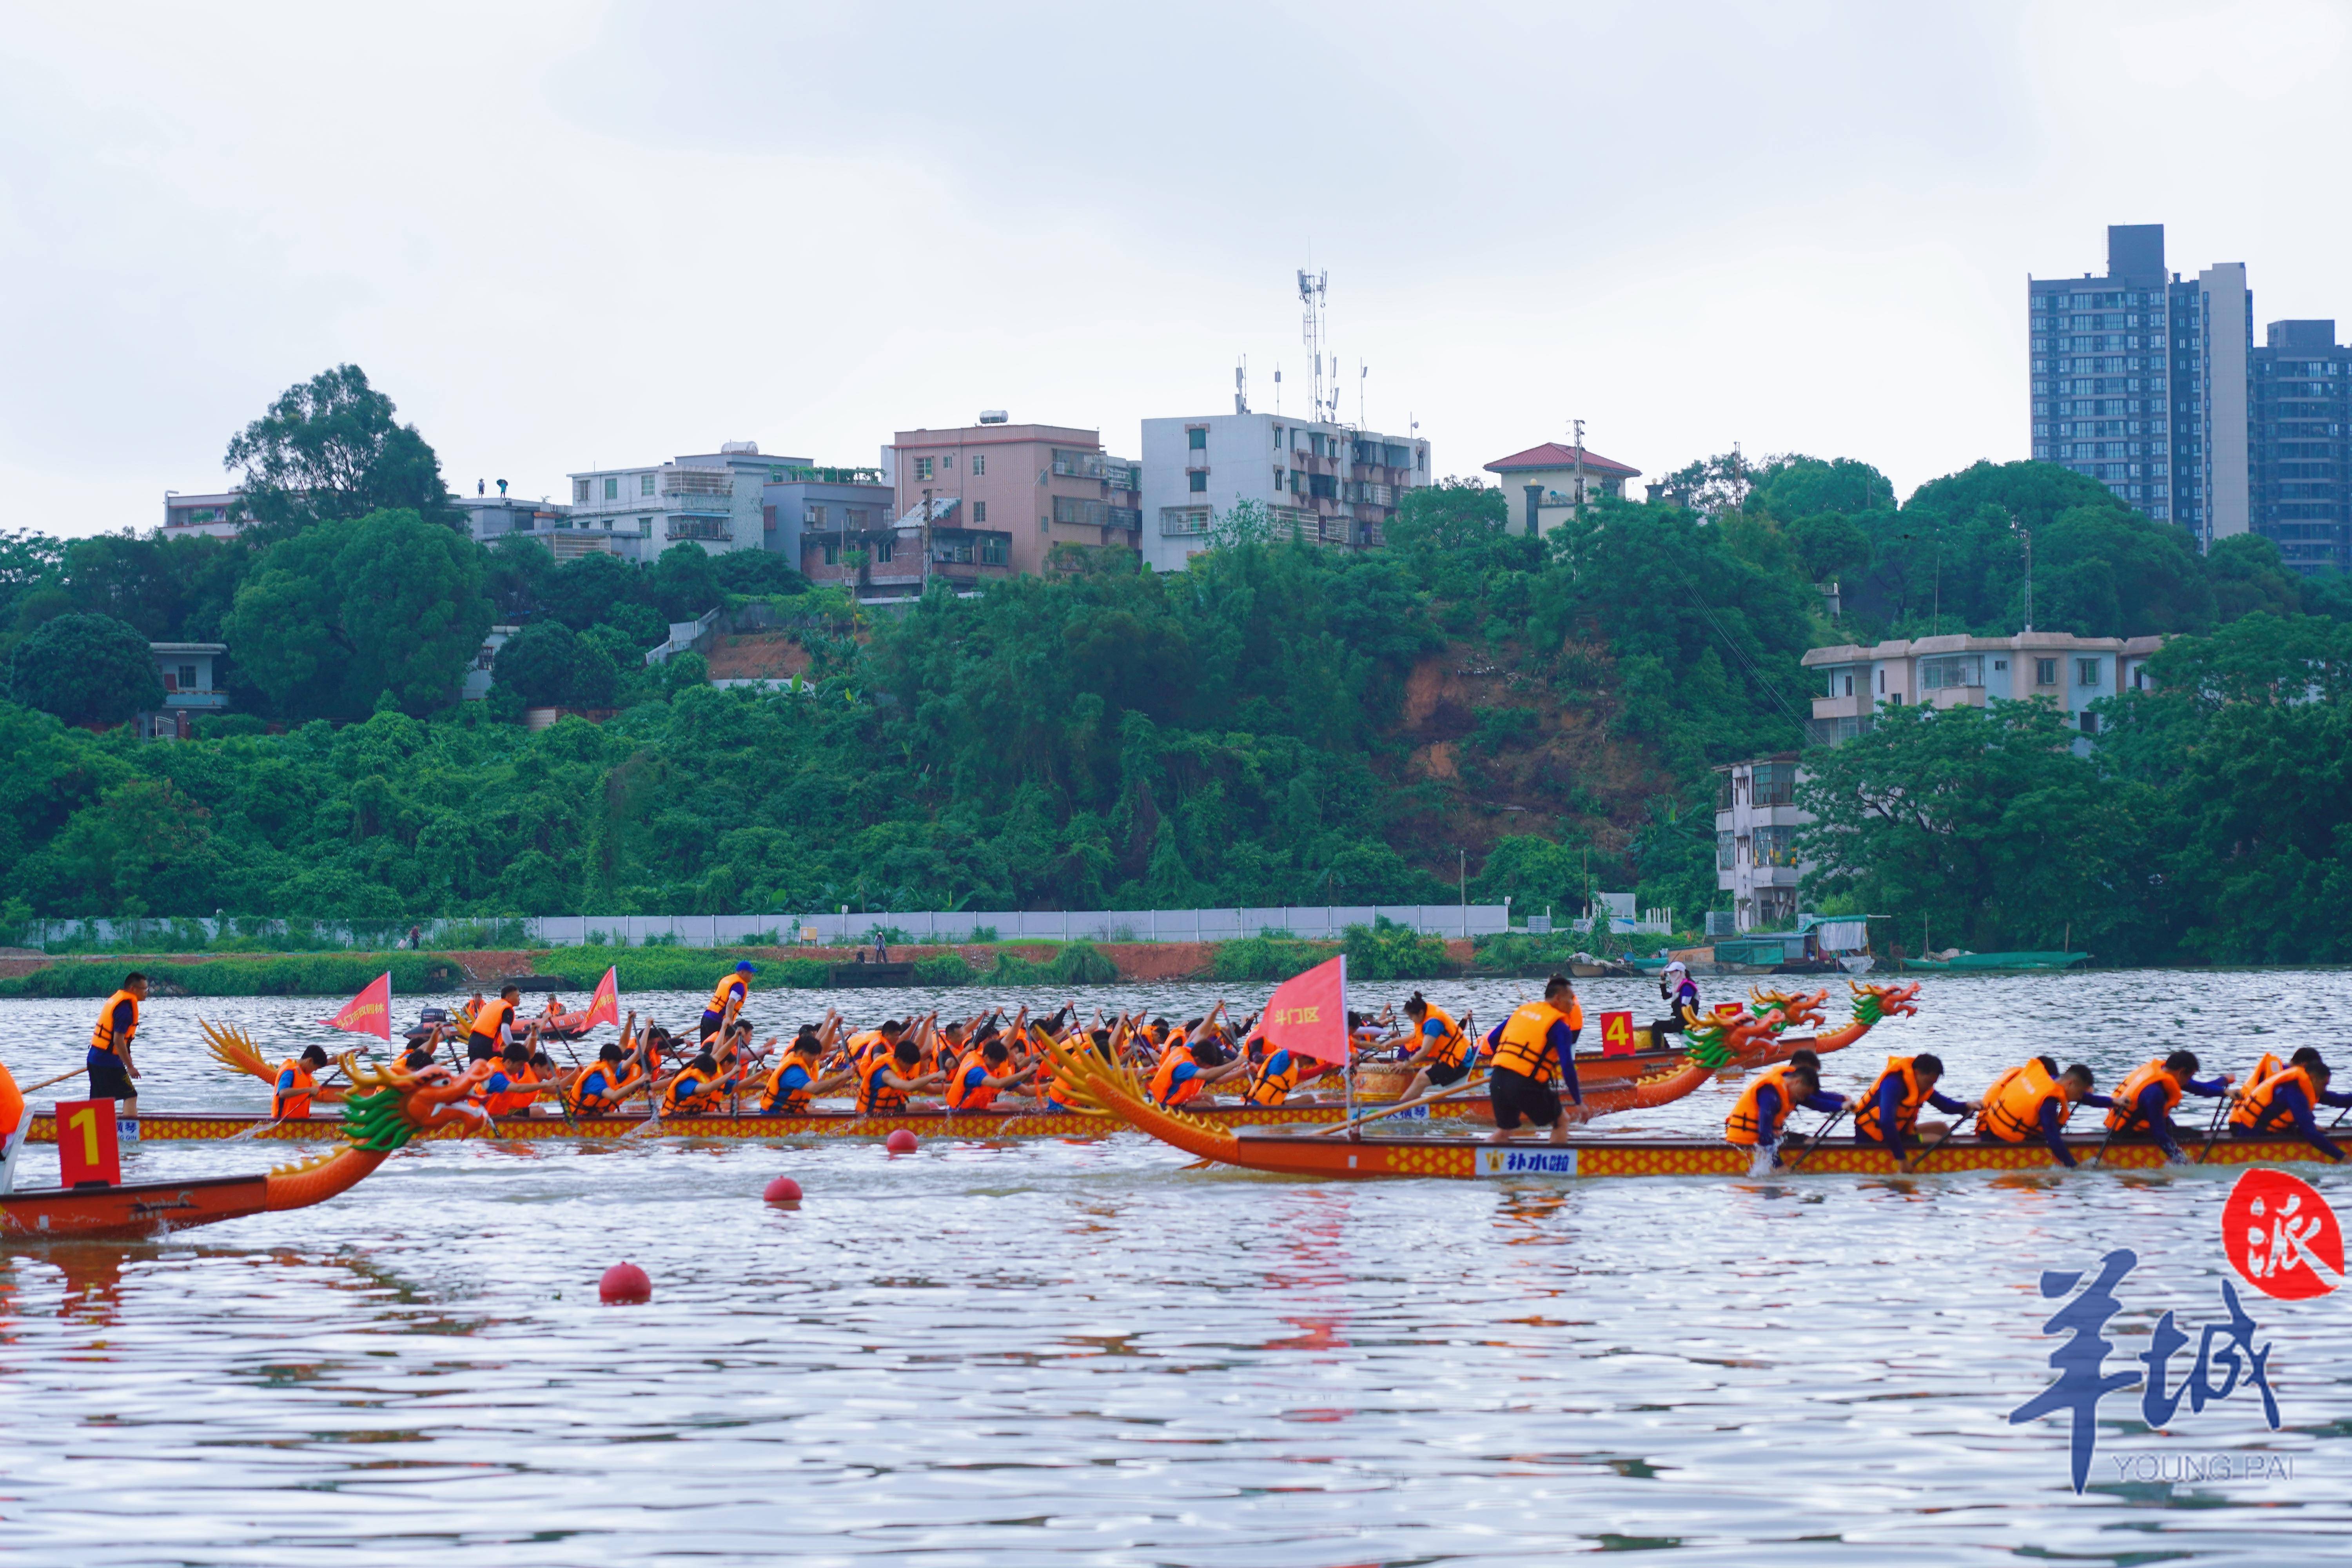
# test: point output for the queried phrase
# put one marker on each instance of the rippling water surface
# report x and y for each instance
(1035, 1352)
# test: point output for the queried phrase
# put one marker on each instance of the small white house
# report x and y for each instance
(189, 688)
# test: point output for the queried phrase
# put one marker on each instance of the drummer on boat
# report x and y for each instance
(493, 1027)
(109, 1060)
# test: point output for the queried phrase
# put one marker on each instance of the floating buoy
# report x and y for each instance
(783, 1190)
(901, 1142)
(624, 1283)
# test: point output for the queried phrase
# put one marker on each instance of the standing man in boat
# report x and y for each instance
(2289, 1096)
(1759, 1119)
(2034, 1100)
(108, 1061)
(492, 1030)
(1532, 1048)
(727, 998)
(1889, 1113)
(2145, 1100)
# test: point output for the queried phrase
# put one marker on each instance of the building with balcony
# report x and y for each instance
(1958, 671)
(1757, 820)
(809, 515)
(1548, 485)
(712, 498)
(189, 671)
(1021, 491)
(1330, 484)
(493, 519)
(2300, 445)
(217, 515)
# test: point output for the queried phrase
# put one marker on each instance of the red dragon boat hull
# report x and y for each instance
(138, 1209)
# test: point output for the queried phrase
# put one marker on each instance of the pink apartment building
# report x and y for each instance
(1003, 497)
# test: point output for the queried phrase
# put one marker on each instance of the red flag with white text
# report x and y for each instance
(369, 1013)
(1308, 1014)
(604, 1008)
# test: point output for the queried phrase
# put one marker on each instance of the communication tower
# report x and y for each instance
(1313, 293)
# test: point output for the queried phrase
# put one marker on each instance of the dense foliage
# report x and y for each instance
(86, 670)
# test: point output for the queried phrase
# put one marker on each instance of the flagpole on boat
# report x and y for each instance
(1348, 1041)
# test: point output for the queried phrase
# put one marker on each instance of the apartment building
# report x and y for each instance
(1757, 820)
(216, 514)
(1330, 483)
(2138, 380)
(996, 498)
(1548, 485)
(2300, 448)
(1956, 671)
(710, 498)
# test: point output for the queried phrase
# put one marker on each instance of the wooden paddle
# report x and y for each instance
(45, 1083)
(1446, 1093)
(2214, 1127)
(1813, 1138)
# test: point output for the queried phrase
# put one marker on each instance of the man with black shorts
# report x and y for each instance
(108, 1061)
(1531, 1047)
(493, 1027)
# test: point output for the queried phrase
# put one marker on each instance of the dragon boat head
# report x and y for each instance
(1873, 1003)
(1792, 1009)
(390, 1105)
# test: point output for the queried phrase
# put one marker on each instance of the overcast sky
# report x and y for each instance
(561, 234)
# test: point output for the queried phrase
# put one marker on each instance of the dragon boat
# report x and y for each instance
(386, 1109)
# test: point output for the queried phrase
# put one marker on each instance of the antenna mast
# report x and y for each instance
(1240, 385)
(1312, 293)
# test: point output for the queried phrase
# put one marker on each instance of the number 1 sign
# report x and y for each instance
(88, 1154)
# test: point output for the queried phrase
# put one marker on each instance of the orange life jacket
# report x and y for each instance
(517, 1098)
(1745, 1125)
(579, 1103)
(1452, 1046)
(1270, 1088)
(2013, 1102)
(776, 1099)
(2262, 1101)
(726, 991)
(973, 1097)
(876, 1098)
(294, 1102)
(2127, 1107)
(2242, 1114)
(101, 1035)
(12, 1105)
(1165, 1091)
(685, 1093)
(1907, 1113)
(1525, 1045)
(493, 1016)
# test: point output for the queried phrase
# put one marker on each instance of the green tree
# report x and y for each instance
(551, 666)
(143, 848)
(348, 609)
(86, 670)
(685, 582)
(329, 449)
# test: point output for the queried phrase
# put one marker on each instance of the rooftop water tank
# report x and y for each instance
(993, 416)
(738, 449)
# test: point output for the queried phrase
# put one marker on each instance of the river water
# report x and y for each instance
(1066, 1351)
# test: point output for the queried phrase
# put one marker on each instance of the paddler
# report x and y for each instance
(1759, 1119)
(2289, 1095)
(1441, 1050)
(982, 1074)
(109, 1062)
(799, 1077)
(698, 1088)
(598, 1091)
(1193, 1061)
(884, 1081)
(1283, 1071)
(2145, 1102)
(512, 1085)
(1533, 1047)
(492, 1030)
(727, 998)
(296, 1083)
(2034, 1100)
(1888, 1114)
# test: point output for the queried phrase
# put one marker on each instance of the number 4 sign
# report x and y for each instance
(87, 1155)
(1617, 1035)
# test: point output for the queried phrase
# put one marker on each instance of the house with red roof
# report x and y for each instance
(1546, 484)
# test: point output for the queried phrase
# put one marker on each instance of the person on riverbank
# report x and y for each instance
(1759, 1119)
(1442, 1049)
(1531, 1049)
(2034, 1100)
(2145, 1100)
(2289, 1098)
(727, 998)
(296, 1083)
(493, 1027)
(1888, 1114)
(1679, 992)
(111, 1070)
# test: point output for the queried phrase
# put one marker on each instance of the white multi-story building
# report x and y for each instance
(1328, 483)
(1956, 672)
(217, 515)
(1756, 823)
(712, 499)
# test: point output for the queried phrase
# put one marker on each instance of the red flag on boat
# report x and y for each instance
(604, 1008)
(369, 1013)
(1308, 1014)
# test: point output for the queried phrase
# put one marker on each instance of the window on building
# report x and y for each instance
(1045, 525)
(813, 516)
(2086, 672)
(833, 552)
(1723, 850)
(994, 550)
(1197, 438)
(1882, 683)
(2090, 723)
(1776, 783)
(1069, 508)
(580, 492)
(2045, 672)
(645, 484)
(767, 520)
(1197, 482)
(1776, 846)
(979, 508)
(1849, 683)
(645, 526)
(1965, 669)
(922, 467)
(885, 547)
(612, 489)
(978, 464)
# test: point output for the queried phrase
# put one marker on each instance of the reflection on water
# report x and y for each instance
(1072, 1349)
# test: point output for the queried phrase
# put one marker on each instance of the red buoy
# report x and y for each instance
(624, 1283)
(783, 1190)
(901, 1142)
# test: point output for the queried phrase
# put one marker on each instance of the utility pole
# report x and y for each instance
(1578, 425)
(2027, 535)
